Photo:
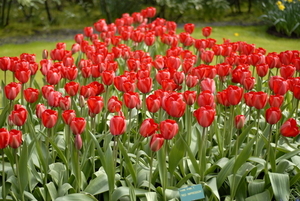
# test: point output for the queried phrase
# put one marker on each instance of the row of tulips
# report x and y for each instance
(151, 111)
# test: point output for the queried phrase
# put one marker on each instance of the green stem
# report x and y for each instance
(257, 138)
(3, 176)
(231, 126)
(22, 94)
(18, 172)
(268, 150)
(150, 173)
(202, 154)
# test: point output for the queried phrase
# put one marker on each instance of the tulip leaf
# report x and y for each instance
(151, 196)
(212, 186)
(98, 185)
(243, 156)
(295, 178)
(63, 189)
(281, 186)
(23, 168)
(124, 191)
(128, 163)
(176, 155)
(288, 155)
(225, 172)
(256, 187)
(76, 197)
(259, 197)
(3, 116)
(52, 190)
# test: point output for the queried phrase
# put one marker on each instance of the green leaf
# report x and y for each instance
(256, 187)
(52, 190)
(124, 191)
(282, 166)
(280, 185)
(3, 116)
(225, 172)
(212, 186)
(259, 197)
(243, 156)
(98, 185)
(151, 196)
(63, 189)
(23, 168)
(288, 155)
(128, 163)
(176, 154)
(76, 197)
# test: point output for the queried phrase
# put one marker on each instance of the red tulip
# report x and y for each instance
(114, 104)
(273, 115)
(222, 98)
(68, 116)
(186, 39)
(259, 99)
(276, 100)
(207, 56)
(287, 71)
(145, 84)
(88, 31)
(70, 73)
(39, 109)
(239, 121)
(262, 70)
(23, 74)
(53, 98)
(4, 138)
(205, 115)
(168, 129)
(191, 80)
(117, 125)
(157, 141)
(149, 39)
(248, 83)
(101, 25)
(234, 94)
(71, 88)
(278, 85)
(95, 104)
(131, 100)
(64, 102)
(189, 28)
(46, 89)
(208, 84)
(31, 95)
(206, 31)
(148, 127)
(15, 138)
(12, 90)
(49, 118)
(78, 142)
(206, 98)
(19, 116)
(5, 63)
(108, 77)
(189, 97)
(153, 103)
(289, 128)
(77, 125)
(174, 105)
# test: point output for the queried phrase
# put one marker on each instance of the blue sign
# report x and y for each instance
(191, 193)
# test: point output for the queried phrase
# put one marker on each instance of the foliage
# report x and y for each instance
(283, 15)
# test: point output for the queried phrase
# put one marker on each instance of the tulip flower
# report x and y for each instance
(189, 28)
(71, 88)
(157, 141)
(117, 125)
(95, 104)
(174, 105)
(64, 102)
(78, 142)
(206, 31)
(189, 97)
(19, 116)
(239, 121)
(148, 127)
(77, 125)
(12, 90)
(206, 98)
(168, 129)
(145, 84)
(289, 128)
(153, 103)
(49, 118)
(4, 138)
(205, 115)
(23, 74)
(68, 116)
(15, 138)
(273, 115)
(31, 95)
(234, 94)
(131, 99)
(276, 100)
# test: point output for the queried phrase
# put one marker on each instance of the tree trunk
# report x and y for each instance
(238, 5)
(2, 13)
(106, 11)
(249, 5)
(48, 11)
(8, 13)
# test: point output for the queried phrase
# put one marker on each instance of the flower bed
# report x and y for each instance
(136, 111)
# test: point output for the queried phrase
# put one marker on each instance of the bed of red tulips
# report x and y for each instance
(136, 111)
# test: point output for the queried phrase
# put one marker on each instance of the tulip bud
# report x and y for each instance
(15, 138)
(239, 121)
(156, 142)
(78, 142)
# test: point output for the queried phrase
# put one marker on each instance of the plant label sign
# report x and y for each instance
(191, 193)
